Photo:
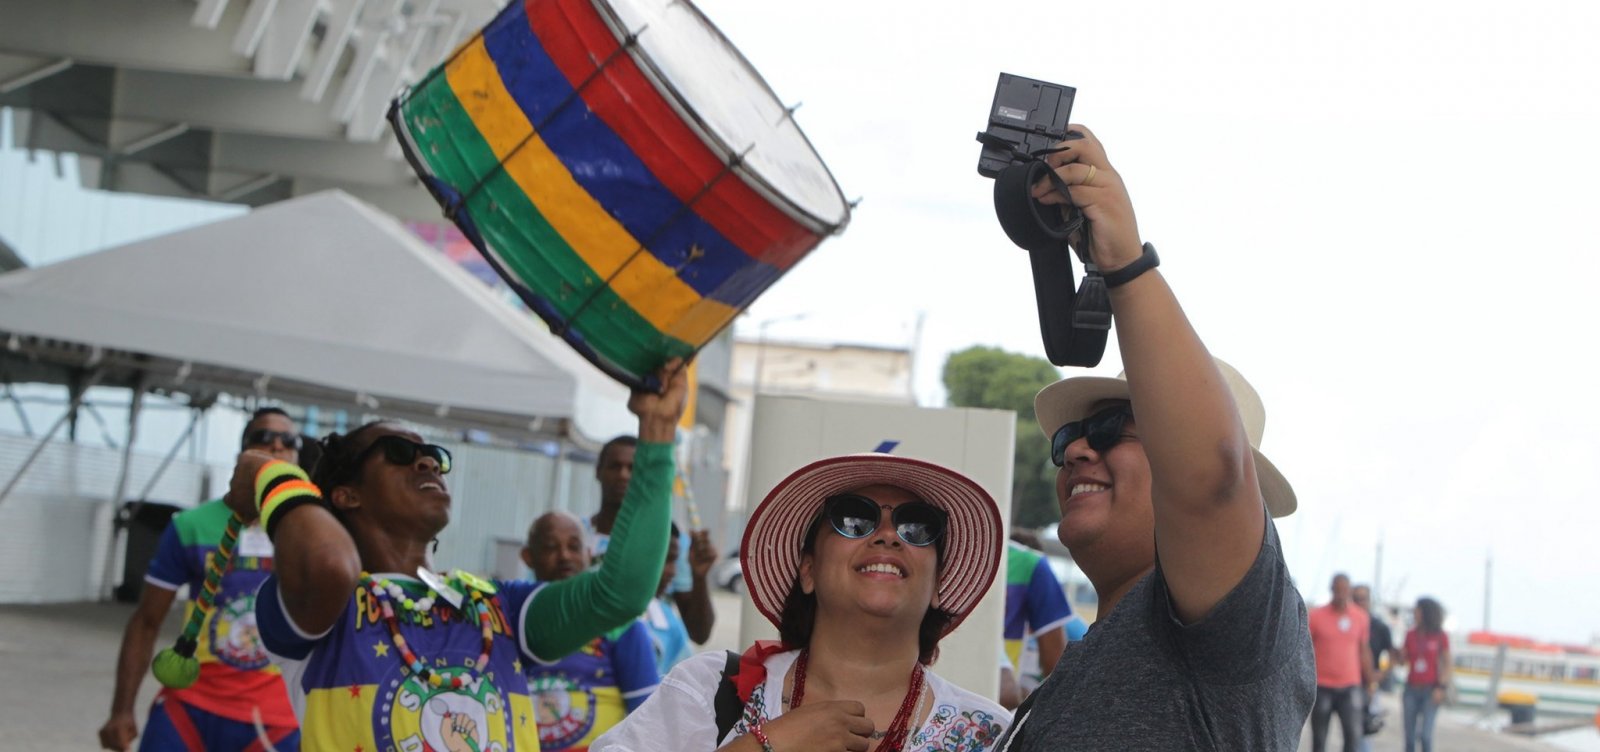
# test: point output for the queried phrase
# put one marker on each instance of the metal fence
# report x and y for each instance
(55, 527)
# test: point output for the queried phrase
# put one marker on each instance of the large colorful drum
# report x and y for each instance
(623, 168)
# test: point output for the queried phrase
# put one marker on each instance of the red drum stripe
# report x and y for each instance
(577, 39)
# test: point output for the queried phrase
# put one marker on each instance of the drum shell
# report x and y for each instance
(615, 217)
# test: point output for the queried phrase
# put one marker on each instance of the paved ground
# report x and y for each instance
(56, 664)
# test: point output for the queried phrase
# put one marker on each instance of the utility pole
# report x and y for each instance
(1377, 575)
(1488, 582)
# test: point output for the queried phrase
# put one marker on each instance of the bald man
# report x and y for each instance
(618, 669)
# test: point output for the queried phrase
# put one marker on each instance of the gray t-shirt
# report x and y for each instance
(1239, 680)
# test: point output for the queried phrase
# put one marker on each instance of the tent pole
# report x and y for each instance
(22, 415)
(135, 406)
(161, 469)
(72, 410)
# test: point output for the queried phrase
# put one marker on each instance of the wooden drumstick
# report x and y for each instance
(176, 667)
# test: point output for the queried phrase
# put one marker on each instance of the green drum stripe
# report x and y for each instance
(621, 335)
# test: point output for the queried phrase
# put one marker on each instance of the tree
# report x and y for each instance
(993, 378)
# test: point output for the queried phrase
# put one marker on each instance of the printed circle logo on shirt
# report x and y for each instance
(424, 718)
(565, 710)
(234, 638)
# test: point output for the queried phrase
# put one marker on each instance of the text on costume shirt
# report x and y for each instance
(1141, 679)
(581, 696)
(679, 715)
(353, 692)
(682, 578)
(1337, 635)
(236, 676)
(1423, 653)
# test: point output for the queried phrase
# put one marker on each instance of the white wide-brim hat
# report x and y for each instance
(1072, 399)
(973, 540)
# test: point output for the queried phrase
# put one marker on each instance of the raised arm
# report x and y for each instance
(315, 560)
(564, 615)
(1210, 518)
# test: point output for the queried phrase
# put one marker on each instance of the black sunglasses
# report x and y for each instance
(264, 437)
(918, 523)
(399, 450)
(1102, 430)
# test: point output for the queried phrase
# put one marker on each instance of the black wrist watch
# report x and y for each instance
(1146, 261)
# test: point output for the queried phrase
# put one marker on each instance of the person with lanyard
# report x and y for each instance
(580, 696)
(863, 563)
(236, 684)
(379, 651)
(1340, 632)
(1426, 653)
(1166, 506)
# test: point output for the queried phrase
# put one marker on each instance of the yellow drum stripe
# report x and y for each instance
(645, 283)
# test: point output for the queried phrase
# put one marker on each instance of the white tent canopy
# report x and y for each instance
(319, 300)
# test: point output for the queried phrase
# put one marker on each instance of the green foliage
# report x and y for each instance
(992, 378)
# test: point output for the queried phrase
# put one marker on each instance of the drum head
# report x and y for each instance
(717, 90)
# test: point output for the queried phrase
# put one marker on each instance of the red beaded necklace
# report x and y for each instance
(894, 738)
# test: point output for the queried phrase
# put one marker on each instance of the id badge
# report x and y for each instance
(253, 541)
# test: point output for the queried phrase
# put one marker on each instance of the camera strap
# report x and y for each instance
(1074, 325)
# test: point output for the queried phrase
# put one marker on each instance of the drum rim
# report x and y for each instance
(724, 152)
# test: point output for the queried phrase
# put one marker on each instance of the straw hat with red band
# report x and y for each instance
(973, 540)
(1073, 399)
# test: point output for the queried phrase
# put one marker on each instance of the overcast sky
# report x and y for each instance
(1382, 213)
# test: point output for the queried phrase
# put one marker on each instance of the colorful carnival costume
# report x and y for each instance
(1035, 604)
(413, 666)
(236, 680)
(581, 696)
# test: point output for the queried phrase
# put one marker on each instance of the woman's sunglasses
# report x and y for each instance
(1102, 431)
(264, 437)
(399, 450)
(918, 523)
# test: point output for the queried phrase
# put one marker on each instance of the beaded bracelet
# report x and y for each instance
(761, 736)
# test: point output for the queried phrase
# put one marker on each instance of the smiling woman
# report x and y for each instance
(864, 563)
(381, 652)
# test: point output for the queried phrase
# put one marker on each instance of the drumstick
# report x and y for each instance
(176, 667)
(688, 491)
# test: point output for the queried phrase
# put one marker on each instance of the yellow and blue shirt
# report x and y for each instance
(356, 695)
(583, 695)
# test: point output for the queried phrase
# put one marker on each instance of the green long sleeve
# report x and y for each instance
(567, 614)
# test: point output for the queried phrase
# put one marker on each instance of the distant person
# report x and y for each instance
(1200, 640)
(1382, 640)
(217, 712)
(1426, 654)
(696, 555)
(1036, 609)
(581, 696)
(1382, 643)
(668, 635)
(1340, 632)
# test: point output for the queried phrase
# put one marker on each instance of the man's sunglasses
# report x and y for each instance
(399, 450)
(1102, 430)
(918, 523)
(264, 437)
